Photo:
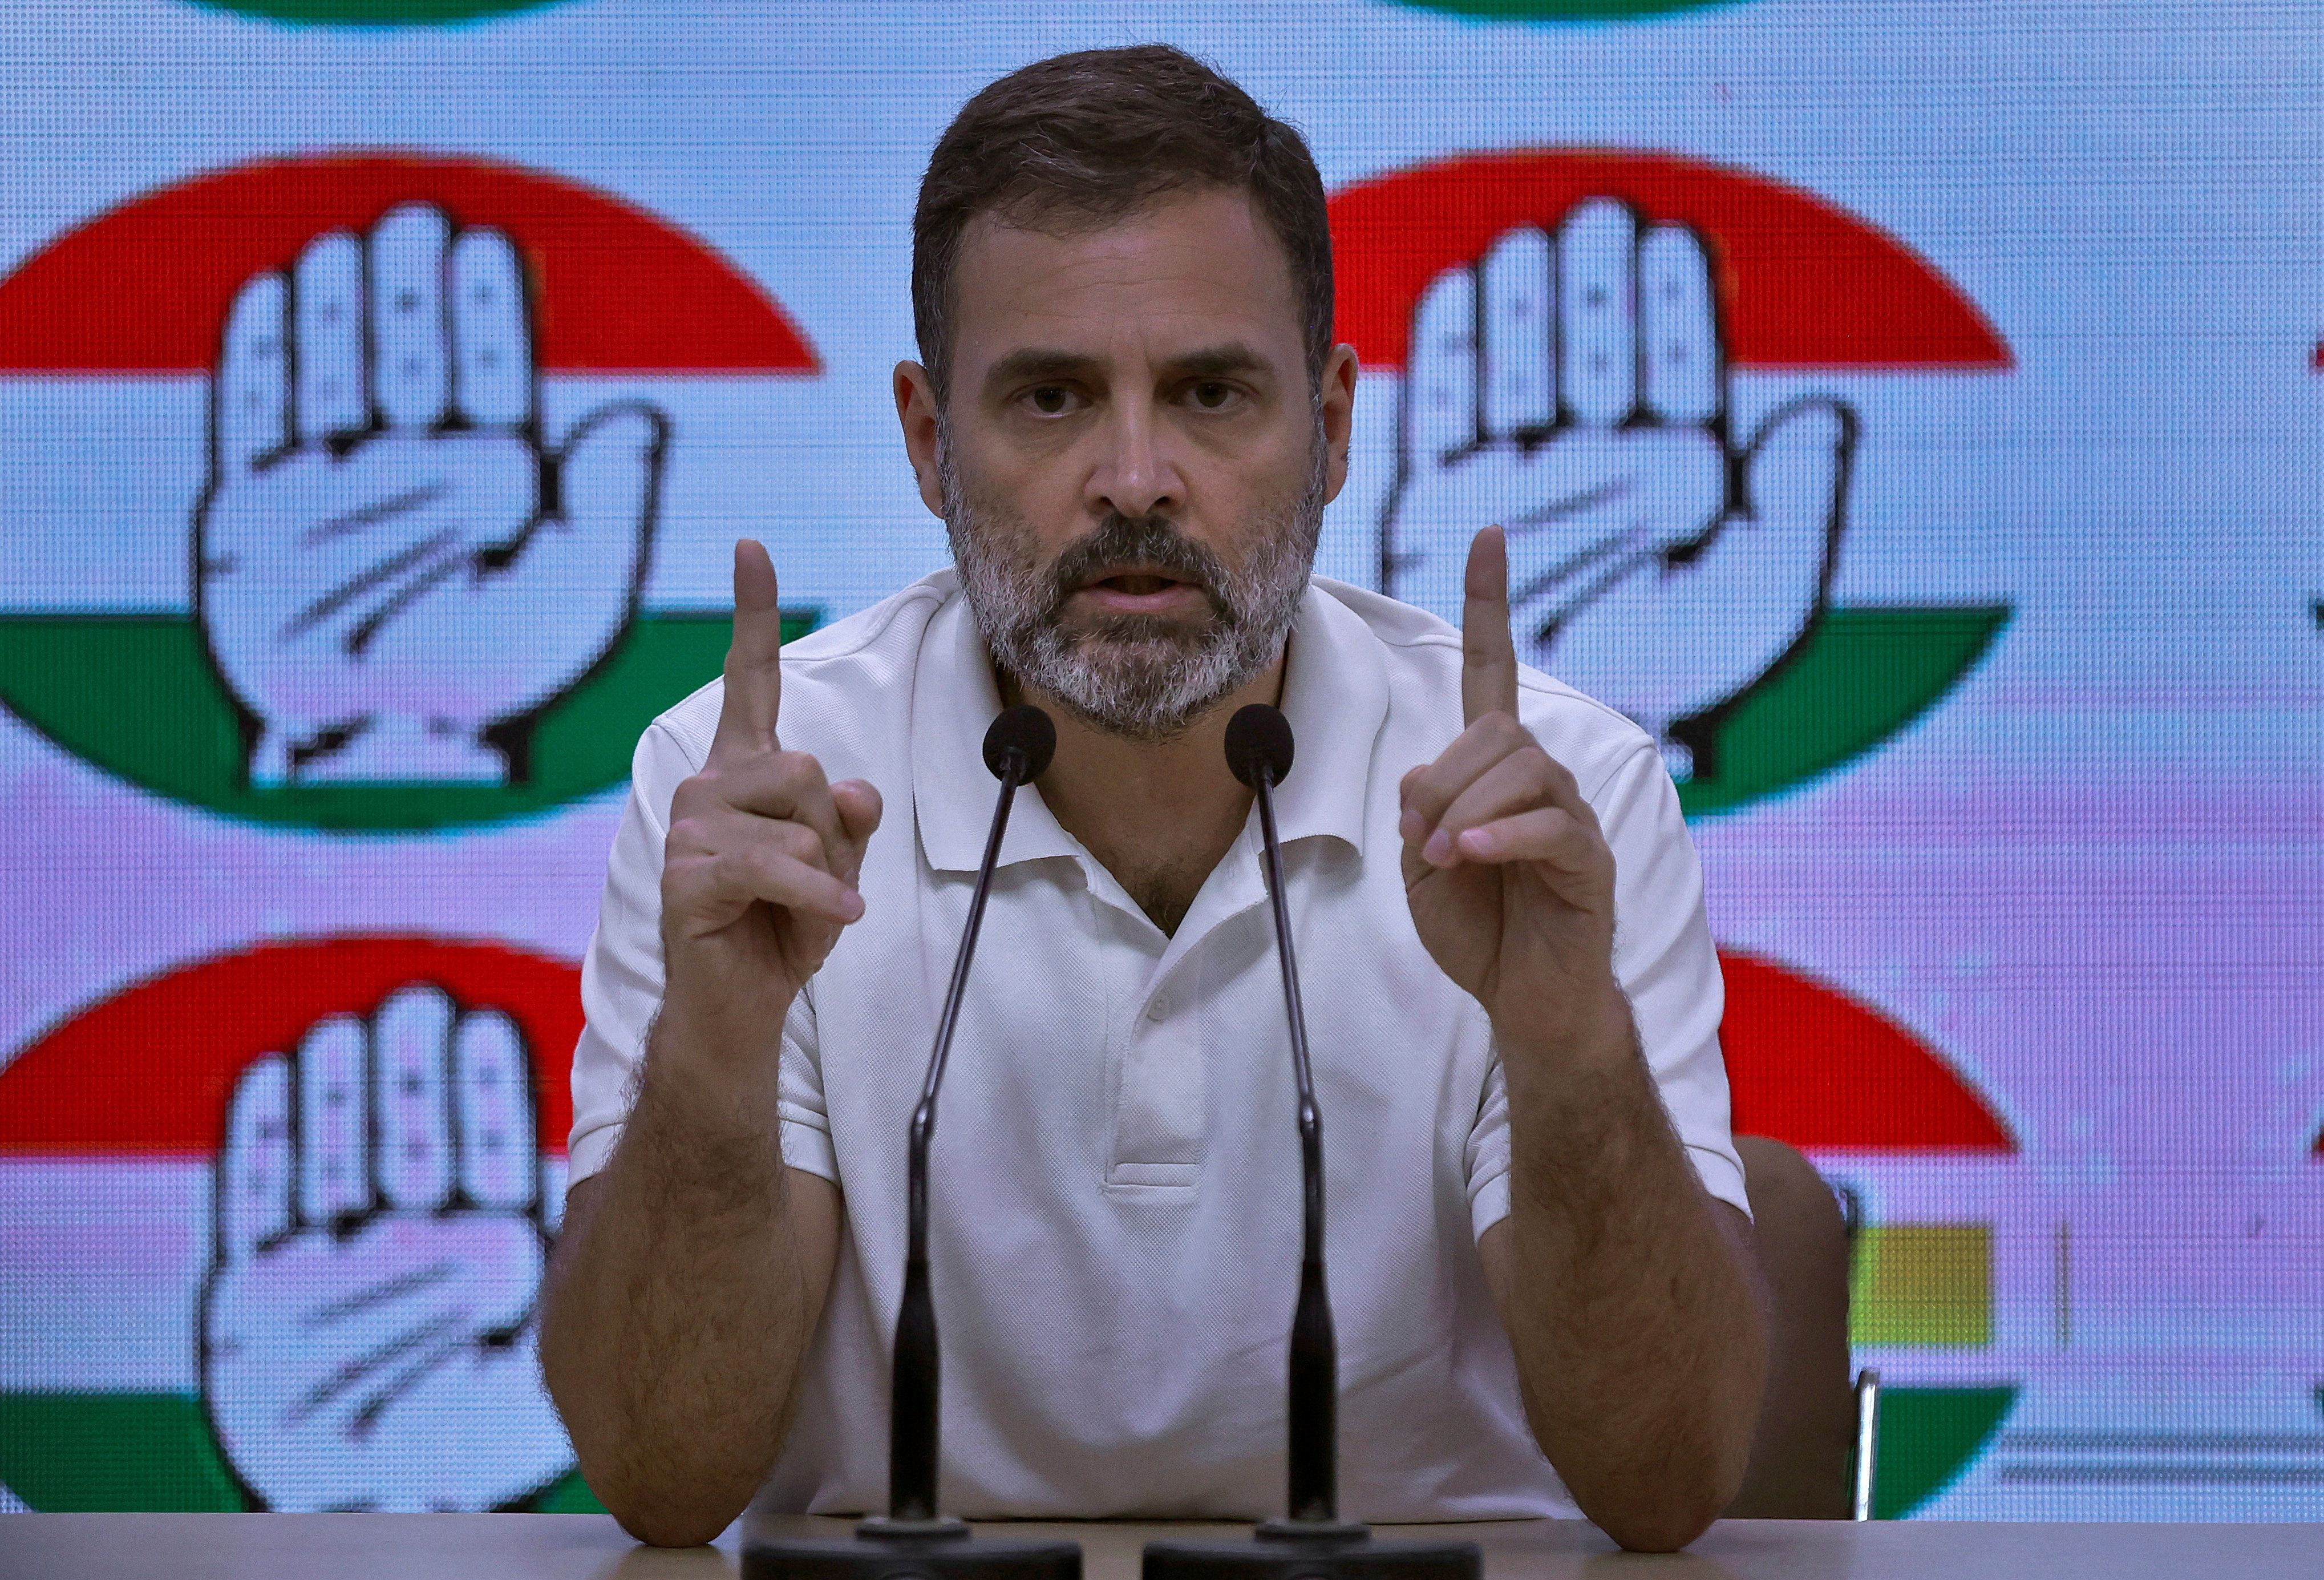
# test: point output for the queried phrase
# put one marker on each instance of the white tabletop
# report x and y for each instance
(586, 1547)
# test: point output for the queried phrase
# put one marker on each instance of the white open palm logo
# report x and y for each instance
(391, 566)
(1573, 389)
(367, 1324)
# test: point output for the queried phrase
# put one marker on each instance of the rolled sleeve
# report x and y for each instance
(621, 974)
(1668, 969)
(807, 1124)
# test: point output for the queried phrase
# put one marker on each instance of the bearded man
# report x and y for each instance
(1129, 414)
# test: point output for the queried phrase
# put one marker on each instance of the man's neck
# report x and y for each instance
(1158, 814)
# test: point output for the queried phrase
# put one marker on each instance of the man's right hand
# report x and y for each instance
(762, 855)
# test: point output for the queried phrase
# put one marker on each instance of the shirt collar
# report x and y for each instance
(955, 700)
(1334, 697)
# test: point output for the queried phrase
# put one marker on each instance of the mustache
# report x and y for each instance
(1144, 540)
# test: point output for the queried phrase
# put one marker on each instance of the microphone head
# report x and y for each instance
(1258, 741)
(1023, 732)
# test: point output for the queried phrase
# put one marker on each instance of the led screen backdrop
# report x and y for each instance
(383, 382)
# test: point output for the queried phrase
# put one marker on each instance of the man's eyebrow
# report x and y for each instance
(1215, 361)
(1039, 362)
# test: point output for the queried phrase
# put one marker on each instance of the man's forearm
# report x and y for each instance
(1631, 1296)
(681, 1300)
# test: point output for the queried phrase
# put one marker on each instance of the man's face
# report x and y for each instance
(1133, 465)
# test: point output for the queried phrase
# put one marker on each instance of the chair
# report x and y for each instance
(1812, 1422)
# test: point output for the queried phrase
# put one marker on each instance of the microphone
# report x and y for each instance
(1311, 1542)
(912, 1542)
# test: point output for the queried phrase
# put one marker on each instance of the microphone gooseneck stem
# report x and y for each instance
(1313, 1447)
(912, 1421)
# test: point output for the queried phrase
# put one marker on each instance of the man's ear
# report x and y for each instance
(916, 409)
(1339, 407)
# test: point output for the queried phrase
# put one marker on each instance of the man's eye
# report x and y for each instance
(1050, 400)
(1211, 395)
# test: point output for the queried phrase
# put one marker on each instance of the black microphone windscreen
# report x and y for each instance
(1023, 731)
(1258, 738)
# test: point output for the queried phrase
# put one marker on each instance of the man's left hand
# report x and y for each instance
(1510, 878)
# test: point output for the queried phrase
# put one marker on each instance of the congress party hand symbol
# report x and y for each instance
(366, 1335)
(1573, 389)
(389, 561)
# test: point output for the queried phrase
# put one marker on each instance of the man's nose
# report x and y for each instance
(1137, 474)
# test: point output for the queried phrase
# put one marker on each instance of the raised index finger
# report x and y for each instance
(1488, 657)
(754, 670)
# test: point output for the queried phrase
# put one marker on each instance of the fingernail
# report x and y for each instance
(1412, 825)
(1476, 842)
(1438, 851)
(851, 906)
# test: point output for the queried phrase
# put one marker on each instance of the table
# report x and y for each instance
(589, 1546)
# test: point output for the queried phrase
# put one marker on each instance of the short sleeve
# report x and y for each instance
(621, 980)
(1668, 969)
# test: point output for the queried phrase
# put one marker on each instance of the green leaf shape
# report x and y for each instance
(1928, 1438)
(1563, 10)
(136, 694)
(150, 1453)
(1861, 674)
(375, 12)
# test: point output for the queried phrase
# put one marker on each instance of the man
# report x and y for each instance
(1131, 416)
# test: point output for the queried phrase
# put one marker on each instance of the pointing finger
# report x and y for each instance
(754, 670)
(1489, 658)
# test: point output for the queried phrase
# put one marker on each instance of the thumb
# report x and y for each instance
(609, 475)
(1797, 465)
(859, 806)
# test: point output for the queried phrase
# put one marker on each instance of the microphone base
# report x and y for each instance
(1295, 1549)
(913, 1549)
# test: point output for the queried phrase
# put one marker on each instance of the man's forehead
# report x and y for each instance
(1199, 269)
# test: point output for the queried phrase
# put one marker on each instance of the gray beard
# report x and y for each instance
(1138, 676)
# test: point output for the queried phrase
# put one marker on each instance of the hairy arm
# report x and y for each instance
(691, 1273)
(1631, 1296)
(684, 1289)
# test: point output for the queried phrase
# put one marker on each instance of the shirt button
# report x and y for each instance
(1159, 1009)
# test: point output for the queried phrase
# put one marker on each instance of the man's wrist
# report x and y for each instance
(1593, 1037)
(722, 1078)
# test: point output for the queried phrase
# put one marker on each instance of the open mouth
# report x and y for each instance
(1138, 584)
(1136, 588)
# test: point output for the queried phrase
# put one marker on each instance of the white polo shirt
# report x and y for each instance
(1115, 1186)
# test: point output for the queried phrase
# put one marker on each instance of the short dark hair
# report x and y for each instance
(1087, 139)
